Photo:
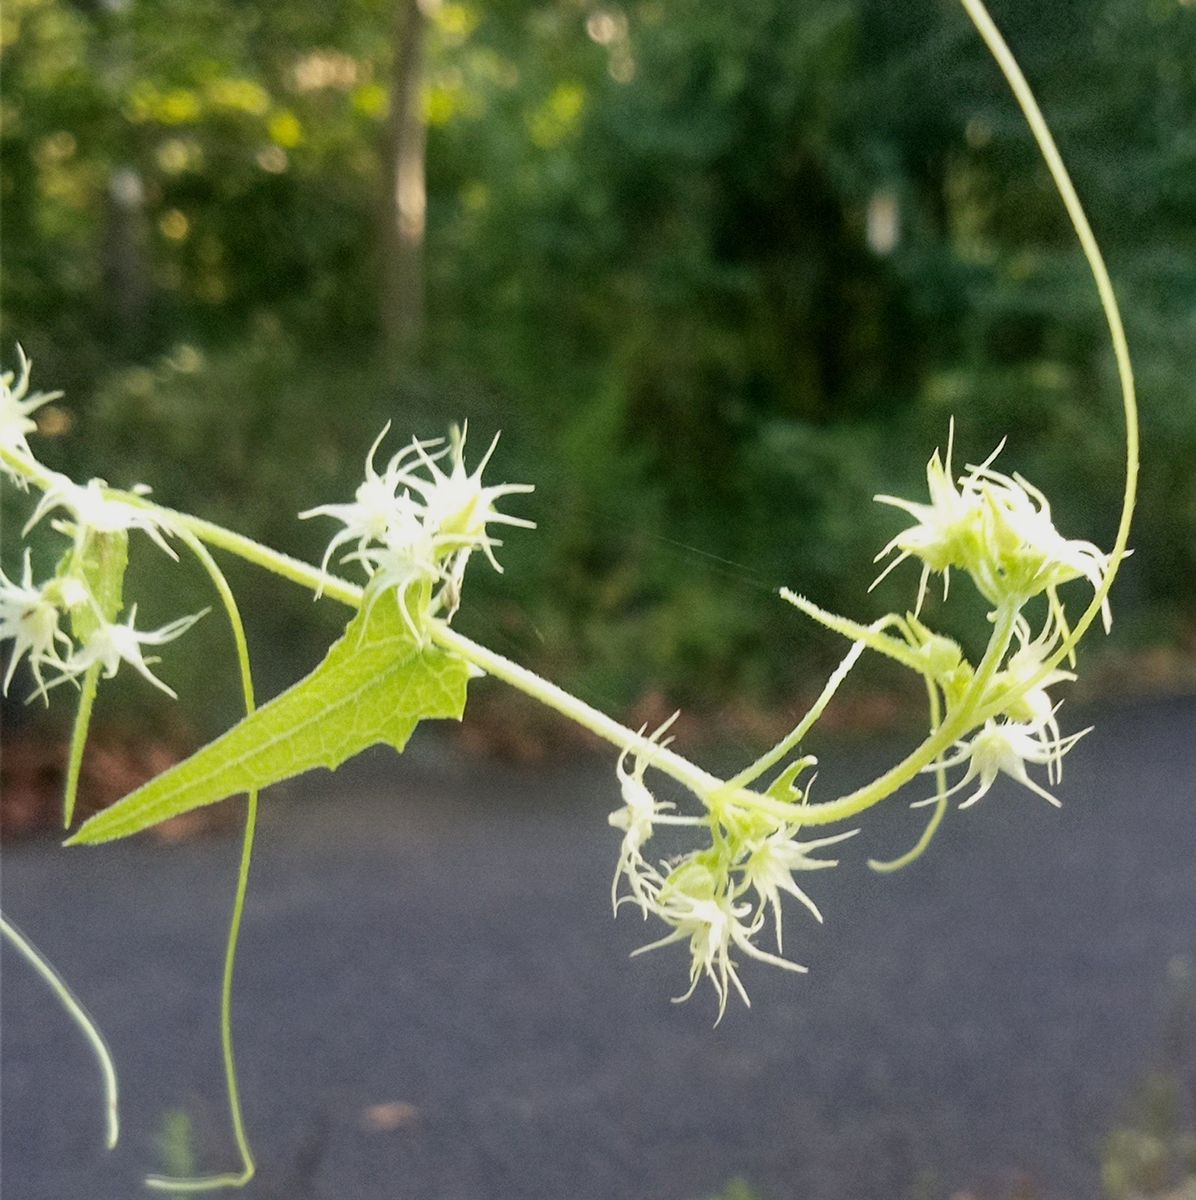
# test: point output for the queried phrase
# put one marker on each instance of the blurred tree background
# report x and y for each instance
(719, 271)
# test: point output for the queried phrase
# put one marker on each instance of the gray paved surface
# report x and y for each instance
(438, 939)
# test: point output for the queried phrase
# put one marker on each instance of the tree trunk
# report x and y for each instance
(406, 204)
(125, 235)
(125, 260)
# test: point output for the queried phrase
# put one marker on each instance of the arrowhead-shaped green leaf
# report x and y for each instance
(375, 685)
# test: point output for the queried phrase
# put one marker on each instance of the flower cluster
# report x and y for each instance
(989, 718)
(62, 627)
(413, 526)
(717, 898)
(33, 616)
(998, 528)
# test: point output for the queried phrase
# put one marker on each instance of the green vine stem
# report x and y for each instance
(209, 1183)
(957, 723)
(74, 768)
(940, 804)
(75, 1010)
(1000, 51)
(792, 740)
(668, 761)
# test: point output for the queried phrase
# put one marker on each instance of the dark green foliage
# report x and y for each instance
(720, 272)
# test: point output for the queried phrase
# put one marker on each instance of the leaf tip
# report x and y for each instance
(84, 836)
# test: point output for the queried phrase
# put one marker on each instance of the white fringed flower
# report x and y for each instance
(944, 529)
(1005, 747)
(1032, 556)
(380, 503)
(772, 862)
(459, 507)
(89, 509)
(17, 407)
(1023, 677)
(113, 643)
(640, 814)
(30, 617)
(697, 901)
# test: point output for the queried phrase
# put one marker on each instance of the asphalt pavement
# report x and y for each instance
(434, 1002)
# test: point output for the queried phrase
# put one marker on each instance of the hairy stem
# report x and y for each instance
(957, 723)
(665, 760)
(292, 569)
(793, 739)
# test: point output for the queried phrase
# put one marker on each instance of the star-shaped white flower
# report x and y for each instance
(942, 529)
(1033, 705)
(770, 866)
(1030, 548)
(1005, 747)
(460, 507)
(640, 814)
(90, 509)
(17, 407)
(696, 901)
(414, 524)
(30, 618)
(380, 506)
(115, 642)
(998, 528)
